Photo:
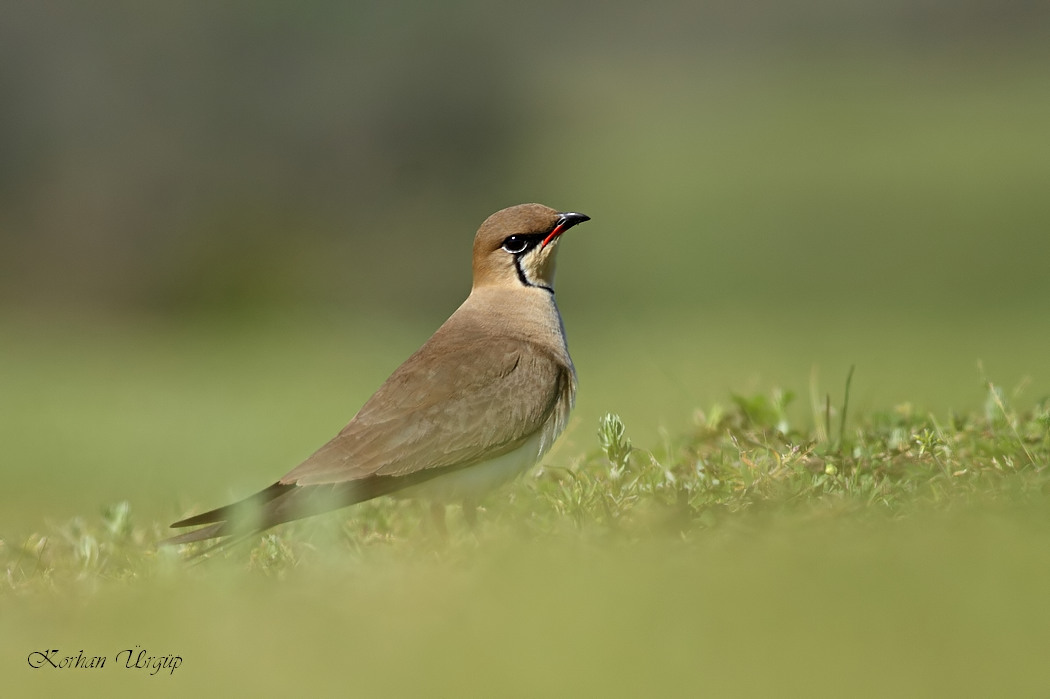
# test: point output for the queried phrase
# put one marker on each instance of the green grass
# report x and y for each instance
(757, 224)
(774, 544)
(741, 462)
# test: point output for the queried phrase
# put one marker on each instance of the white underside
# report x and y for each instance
(474, 481)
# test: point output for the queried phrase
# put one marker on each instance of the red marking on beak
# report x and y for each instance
(558, 230)
(567, 221)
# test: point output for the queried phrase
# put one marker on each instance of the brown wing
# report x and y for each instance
(477, 396)
(450, 404)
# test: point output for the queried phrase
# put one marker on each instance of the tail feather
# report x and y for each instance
(237, 510)
(284, 502)
(215, 530)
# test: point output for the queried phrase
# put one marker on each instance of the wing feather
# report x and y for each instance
(478, 398)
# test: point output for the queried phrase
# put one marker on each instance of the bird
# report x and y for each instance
(479, 403)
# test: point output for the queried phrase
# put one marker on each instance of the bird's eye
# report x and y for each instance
(515, 244)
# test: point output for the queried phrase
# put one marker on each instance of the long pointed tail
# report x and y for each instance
(252, 513)
(284, 502)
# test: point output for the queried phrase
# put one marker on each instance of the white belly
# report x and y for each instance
(475, 481)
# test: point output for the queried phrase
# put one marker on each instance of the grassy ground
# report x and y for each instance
(754, 227)
(771, 544)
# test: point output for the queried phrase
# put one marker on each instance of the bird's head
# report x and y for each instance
(516, 246)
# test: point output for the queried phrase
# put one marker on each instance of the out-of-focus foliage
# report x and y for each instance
(779, 191)
(201, 155)
(742, 552)
(737, 463)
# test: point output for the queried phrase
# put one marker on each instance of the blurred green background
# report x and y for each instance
(223, 225)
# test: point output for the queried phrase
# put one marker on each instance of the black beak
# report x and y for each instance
(565, 222)
(570, 219)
